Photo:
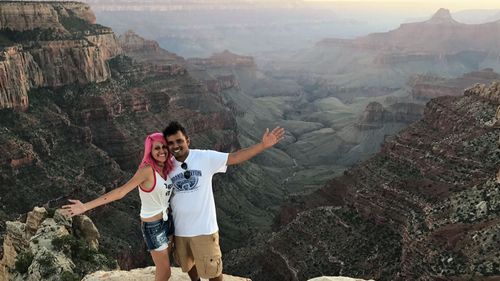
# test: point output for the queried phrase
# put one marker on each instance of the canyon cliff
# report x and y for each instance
(425, 208)
(50, 45)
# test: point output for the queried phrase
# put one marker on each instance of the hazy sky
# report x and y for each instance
(454, 5)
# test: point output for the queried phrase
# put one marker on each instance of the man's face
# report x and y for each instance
(178, 145)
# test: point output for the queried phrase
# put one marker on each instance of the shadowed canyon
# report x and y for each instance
(387, 170)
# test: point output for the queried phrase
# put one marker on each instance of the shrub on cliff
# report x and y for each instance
(85, 258)
(23, 262)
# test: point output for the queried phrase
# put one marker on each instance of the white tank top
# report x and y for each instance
(156, 200)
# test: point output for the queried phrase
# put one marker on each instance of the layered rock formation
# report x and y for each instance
(223, 59)
(425, 87)
(429, 199)
(147, 50)
(18, 73)
(221, 70)
(375, 115)
(24, 16)
(441, 33)
(221, 83)
(489, 93)
(50, 45)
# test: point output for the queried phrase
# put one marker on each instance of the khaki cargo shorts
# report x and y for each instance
(202, 251)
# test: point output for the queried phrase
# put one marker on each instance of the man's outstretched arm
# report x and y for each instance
(268, 140)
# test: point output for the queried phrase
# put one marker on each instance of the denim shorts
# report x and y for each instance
(156, 234)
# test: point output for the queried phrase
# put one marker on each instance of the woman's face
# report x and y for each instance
(159, 151)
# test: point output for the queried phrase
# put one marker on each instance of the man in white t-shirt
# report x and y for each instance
(197, 247)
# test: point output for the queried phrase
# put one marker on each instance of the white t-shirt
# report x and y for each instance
(193, 205)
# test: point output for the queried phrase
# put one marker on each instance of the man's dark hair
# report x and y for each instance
(172, 129)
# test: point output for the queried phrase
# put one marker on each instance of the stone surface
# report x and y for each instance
(145, 274)
(48, 266)
(337, 278)
(489, 93)
(34, 219)
(85, 228)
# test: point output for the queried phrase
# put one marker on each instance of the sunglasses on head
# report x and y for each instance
(187, 173)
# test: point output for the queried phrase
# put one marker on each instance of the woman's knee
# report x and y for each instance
(163, 273)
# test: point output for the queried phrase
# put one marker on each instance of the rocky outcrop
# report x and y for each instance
(47, 247)
(23, 16)
(373, 113)
(376, 116)
(106, 41)
(147, 50)
(495, 121)
(223, 59)
(425, 87)
(19, 72)
(66, 62)
(489, 93)
(221, 83)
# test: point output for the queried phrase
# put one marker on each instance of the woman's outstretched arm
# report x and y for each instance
(77, 207)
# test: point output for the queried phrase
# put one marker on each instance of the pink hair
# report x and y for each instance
(148, 160)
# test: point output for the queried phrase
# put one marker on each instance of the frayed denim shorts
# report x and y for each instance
(156, 234)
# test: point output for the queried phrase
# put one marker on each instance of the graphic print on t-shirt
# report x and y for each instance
(169, 187)
(182, 184)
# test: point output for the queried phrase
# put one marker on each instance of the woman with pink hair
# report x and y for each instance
(154, 190)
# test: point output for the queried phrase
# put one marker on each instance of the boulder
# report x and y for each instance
(34, 219)
(85, 228)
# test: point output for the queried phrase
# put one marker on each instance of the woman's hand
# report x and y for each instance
(74, 209)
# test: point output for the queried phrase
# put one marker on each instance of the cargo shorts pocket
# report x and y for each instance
(213, 266)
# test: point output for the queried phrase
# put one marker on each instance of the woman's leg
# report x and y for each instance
(162, 263)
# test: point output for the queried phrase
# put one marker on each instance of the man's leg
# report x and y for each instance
(193, 274)
(207, 256)
(184, 257)
(218, 278)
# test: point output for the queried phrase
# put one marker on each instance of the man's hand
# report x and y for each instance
(268, 140)
(271, 138)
